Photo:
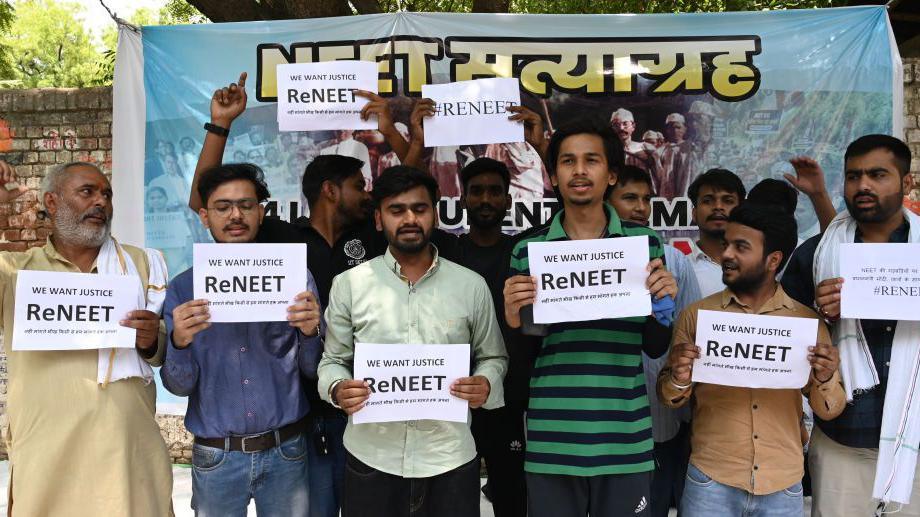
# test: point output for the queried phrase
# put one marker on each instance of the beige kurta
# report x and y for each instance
(77, 448)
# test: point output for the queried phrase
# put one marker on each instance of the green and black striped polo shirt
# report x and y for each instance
(589, 413)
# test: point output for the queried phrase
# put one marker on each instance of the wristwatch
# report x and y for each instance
(217, 130)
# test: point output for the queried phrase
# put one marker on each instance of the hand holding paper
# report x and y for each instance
(304, 313)
(351, 395)
(533, 127)
(189, 319)
(680, 361)
(520, 290)
(660, 281)
(147, 324)
(824, 359)
(827, 298)
(424, 108)
(379, 107)
(474, 389)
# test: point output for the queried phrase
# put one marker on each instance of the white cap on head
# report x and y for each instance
(702, 108)
(623, 115)
(675, 117)
(650, 134)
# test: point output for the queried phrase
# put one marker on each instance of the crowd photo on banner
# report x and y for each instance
(401, 265)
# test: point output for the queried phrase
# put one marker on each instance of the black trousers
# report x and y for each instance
(500, 440)
(369, 492)
(614, 495)
(671, 459)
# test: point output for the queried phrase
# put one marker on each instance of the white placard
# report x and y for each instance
(249, 282)
(73, 311)
(473, 112)
(753, 351)
(411, 382)
(166, 230)
(590, 279)
(318, 96)
(880, 281)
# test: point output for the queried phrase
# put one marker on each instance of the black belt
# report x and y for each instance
(256, 443)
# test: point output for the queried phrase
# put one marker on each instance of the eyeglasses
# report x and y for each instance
(225, 206)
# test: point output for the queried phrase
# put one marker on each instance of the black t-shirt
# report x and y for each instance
(493, 263)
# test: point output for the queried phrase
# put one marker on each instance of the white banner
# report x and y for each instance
(473, 112)
(73, 311)
(411, 382)
(590, 279)
(753, 351)
(317, 96)
(880, 281)
(249, 282)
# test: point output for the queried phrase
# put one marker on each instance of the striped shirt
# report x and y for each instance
(589, 411)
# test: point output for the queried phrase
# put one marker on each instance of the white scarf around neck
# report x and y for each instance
(897, 458)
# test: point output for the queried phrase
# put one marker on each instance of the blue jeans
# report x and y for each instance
(223, 482)
(704, 497)
(327, 470)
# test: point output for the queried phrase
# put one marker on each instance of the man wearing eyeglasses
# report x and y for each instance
(247, 407)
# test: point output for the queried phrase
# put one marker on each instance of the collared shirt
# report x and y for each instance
(375, 303)
(241, 378)
(356, 246)
(665, 420)
(860, 424)
(708, 271)
(744, 437)
(75, 447)
(588, 411)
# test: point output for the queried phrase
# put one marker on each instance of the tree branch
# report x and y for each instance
(367, 6)
(491, 6)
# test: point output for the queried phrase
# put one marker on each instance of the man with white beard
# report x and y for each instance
(89, 411)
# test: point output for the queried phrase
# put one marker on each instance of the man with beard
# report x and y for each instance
(631, 197)
(426, 468)
(714, 195)
(589, 433)
(848, 453)
(499, 433)
(746, 442)
(262, 423)
(82, 438)
(339, 234)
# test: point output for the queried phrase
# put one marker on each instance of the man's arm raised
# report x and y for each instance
(227, 104)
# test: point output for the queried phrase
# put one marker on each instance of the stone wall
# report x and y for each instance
(39, 128)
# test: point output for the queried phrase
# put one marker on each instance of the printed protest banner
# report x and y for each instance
(73, 311)
(881, 281)
(249, 282)
(590, 279)
(473, 112)
(753, 351)
(411, 382)
(317, 96)
(744, 91)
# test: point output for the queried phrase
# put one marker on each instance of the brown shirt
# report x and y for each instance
(744, 437)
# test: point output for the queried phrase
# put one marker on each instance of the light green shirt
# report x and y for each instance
(375, 303)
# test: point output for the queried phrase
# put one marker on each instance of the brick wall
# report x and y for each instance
(39, 128)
